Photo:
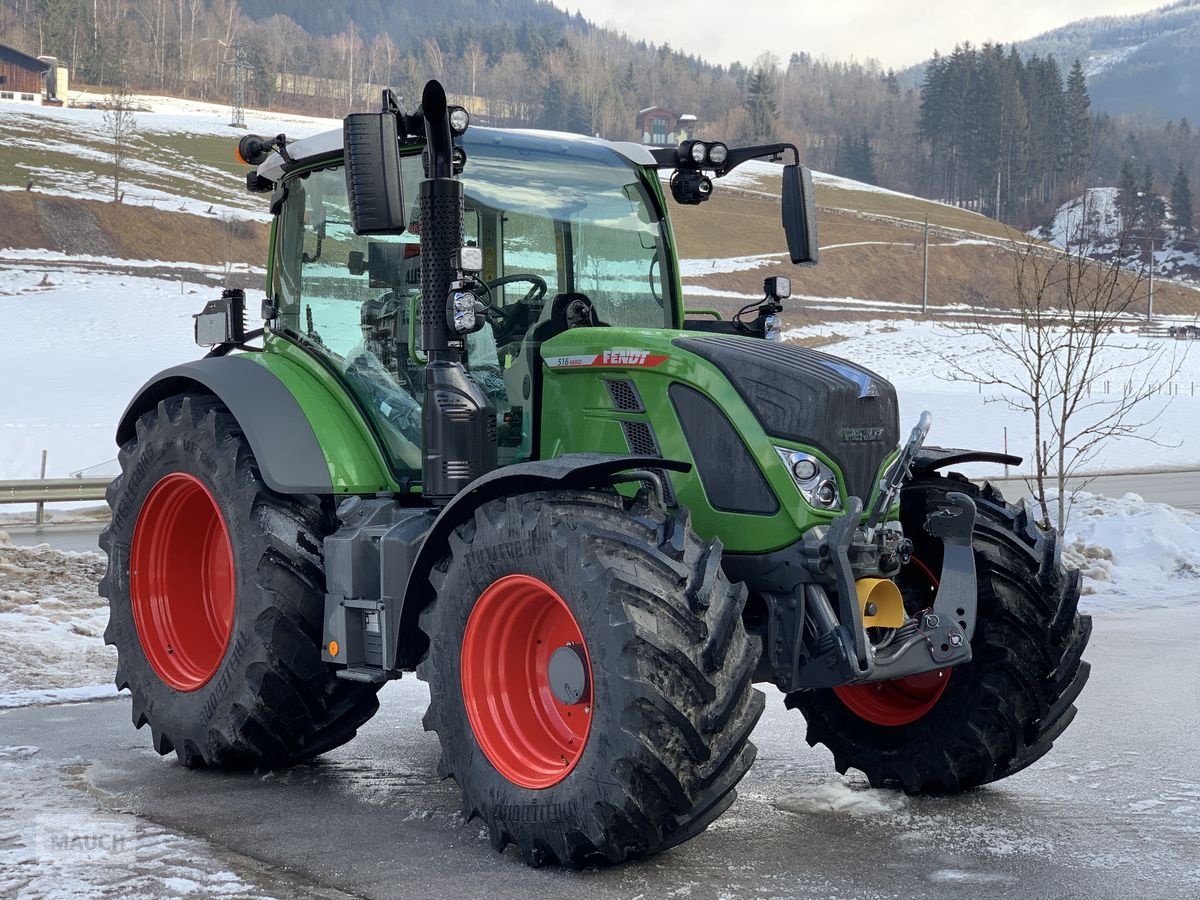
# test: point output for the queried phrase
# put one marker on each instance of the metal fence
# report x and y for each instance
(53, 490)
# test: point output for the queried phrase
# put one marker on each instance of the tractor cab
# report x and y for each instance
(571, 233)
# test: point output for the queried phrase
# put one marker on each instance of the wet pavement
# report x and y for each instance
(1112, 812)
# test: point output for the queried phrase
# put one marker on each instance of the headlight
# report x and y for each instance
(698, 152)
(804, 469)
(459, 119)
(816, 482)
(717, 154)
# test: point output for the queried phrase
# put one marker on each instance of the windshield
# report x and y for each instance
(567, 219)
(577, 203)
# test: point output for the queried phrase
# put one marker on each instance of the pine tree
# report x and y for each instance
(1078, 125)
(1151, 209)
(760, 104)
(864, 160)
(629, 81)
(1128, 203)
(1181, 202)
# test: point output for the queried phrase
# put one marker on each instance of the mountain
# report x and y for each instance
(1142, 64)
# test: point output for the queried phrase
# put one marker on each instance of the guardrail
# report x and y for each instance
(53, 490)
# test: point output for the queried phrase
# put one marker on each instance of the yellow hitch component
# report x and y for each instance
(881, 603)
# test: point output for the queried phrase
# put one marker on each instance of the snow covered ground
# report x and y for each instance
(925, 362)
(174, 164)
(75, 345)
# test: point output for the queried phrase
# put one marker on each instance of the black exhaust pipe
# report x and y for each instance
(458, 419)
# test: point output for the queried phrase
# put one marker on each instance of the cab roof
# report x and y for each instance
(328, 143)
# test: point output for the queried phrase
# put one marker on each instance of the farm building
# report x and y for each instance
(662, 127)
(28, 79)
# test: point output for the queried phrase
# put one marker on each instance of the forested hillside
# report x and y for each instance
(1142, 65)
(987, 129)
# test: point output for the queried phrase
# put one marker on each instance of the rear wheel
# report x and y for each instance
(216, 598)
(987, 719)
(589, 677)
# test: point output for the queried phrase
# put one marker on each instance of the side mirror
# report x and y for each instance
(373, 183)
(800, 215)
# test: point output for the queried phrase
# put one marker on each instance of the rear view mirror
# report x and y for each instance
(800, 215)
(373, 184)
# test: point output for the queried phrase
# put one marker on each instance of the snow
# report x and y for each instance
(79, 348)
(925, 362)
(52, 624)
(1133, 554)
(57, 841)
(1091, 219)
(174, 115)
(65, 151)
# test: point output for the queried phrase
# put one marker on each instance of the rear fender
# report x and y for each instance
(275, 403)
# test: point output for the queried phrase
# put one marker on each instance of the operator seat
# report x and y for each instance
(523, 376)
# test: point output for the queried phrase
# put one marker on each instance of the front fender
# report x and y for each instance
(569, 471)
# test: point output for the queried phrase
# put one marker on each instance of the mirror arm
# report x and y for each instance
(670, 158)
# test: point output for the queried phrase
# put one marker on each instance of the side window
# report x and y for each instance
(350, 298)
(530, 247)
(354, 300)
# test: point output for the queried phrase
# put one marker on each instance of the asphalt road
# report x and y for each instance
(1181, 489)
(1112, 812)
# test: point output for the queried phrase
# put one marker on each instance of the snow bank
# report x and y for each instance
(52, 625)
(1091, 218)
(1133, 554)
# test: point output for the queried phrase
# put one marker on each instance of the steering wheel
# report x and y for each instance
(504, 318)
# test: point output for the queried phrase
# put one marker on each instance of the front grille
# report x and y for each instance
(639, 436)
(812, 398)
(457, 469)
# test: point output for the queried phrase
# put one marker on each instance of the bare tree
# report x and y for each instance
(1068, 364)
(475, 60)
(121, 126)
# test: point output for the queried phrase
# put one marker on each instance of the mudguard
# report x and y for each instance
(933, 459)
(572, 470)
(288, 453)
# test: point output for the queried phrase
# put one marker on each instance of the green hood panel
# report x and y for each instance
(580, 413)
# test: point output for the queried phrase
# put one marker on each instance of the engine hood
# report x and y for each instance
(843, 409)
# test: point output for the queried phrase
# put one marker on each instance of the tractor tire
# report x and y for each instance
(642, 747)
(989, 718)
(216, 599)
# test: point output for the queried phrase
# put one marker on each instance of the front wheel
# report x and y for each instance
(589, 677)
(956, 728)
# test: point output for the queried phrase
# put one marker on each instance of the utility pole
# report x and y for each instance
(238, 103)
(925, 273)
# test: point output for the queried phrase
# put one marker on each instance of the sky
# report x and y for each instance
(895, 32)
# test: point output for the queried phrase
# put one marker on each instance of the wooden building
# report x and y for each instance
(22, 77)
(662, 127)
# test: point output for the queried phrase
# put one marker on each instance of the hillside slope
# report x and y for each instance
(185, 202)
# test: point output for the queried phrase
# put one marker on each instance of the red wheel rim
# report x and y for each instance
(531, 737)
(900, 701)
(181, 582)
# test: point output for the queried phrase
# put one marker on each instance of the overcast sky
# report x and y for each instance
(898, 33)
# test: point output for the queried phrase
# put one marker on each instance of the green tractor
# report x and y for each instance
(482, 440)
